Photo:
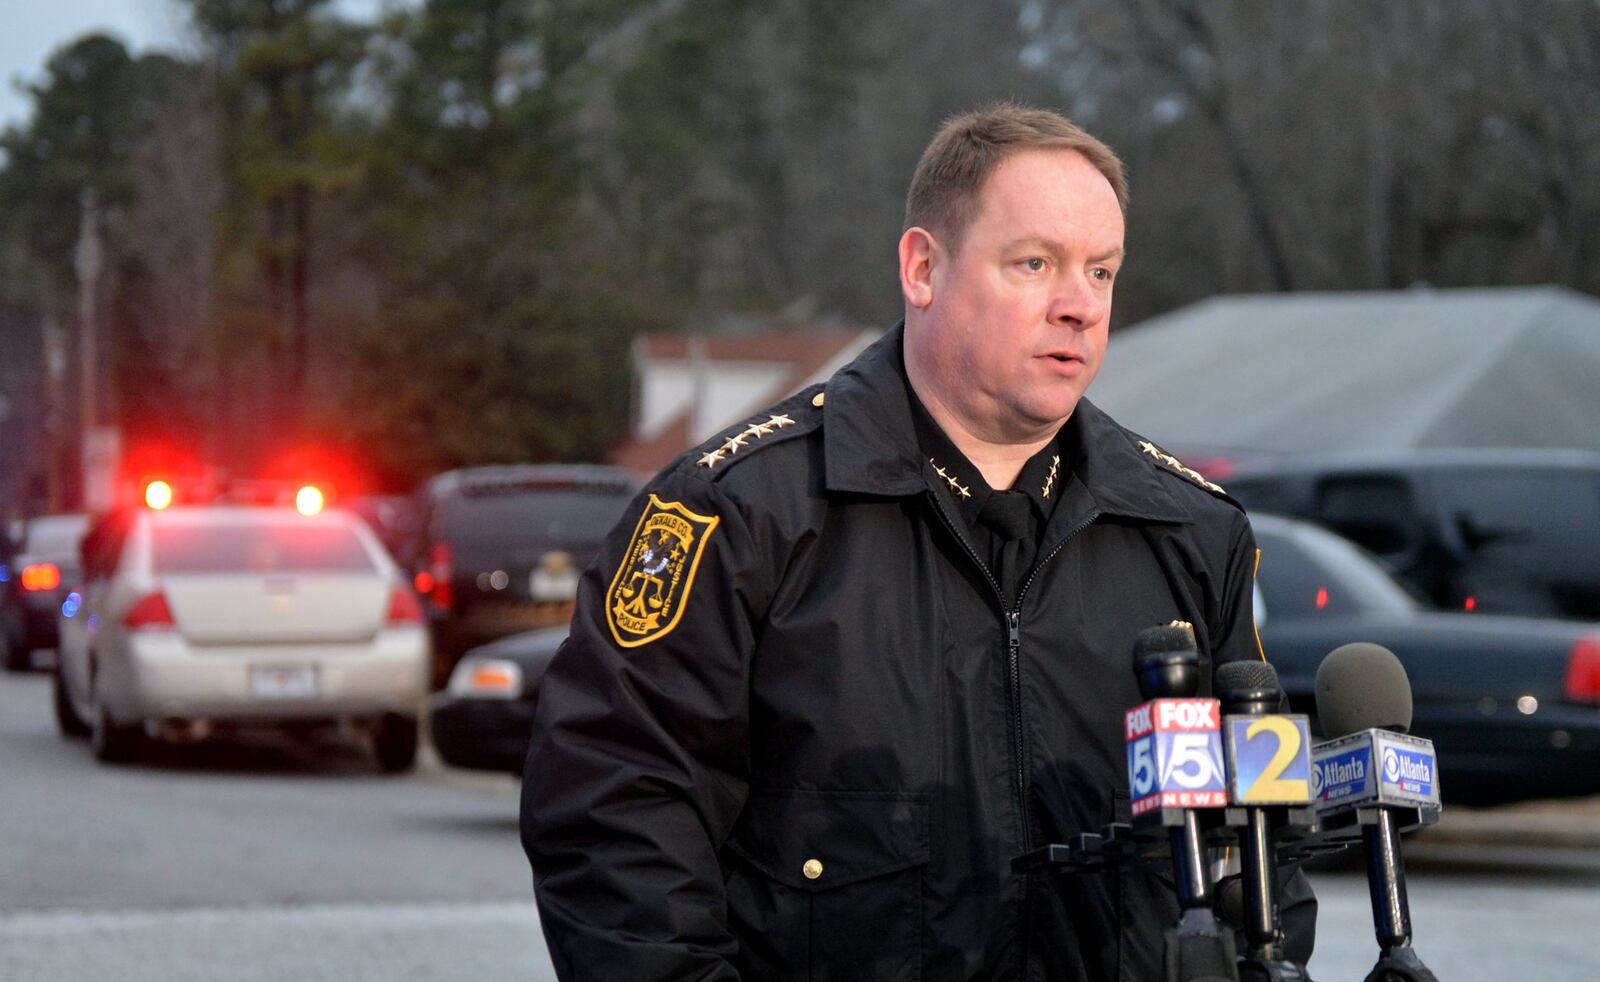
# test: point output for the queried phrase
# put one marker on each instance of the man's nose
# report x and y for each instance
(1078, 302)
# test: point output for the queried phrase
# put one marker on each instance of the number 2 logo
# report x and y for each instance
(1272, 785)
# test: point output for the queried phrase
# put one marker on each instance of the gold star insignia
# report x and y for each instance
(1178, 465)
(780, 421)
(758, 429)
(954, 484)
(711, 459)
(735, 442)
(1050, 481)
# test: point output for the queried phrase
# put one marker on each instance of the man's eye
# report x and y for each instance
(1101, 273)
(1035, 265)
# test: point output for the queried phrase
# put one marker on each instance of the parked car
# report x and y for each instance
(498, 550)
(1511, 703)
(198, 617)
(1481, 530)
(484, 718)
(35, 579)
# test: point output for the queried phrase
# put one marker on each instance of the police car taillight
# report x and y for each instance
(308, 500)
(151, 613)
(1583, 669)
(404, 611)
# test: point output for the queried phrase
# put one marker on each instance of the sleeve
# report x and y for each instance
(1235, 638)
(638, 763)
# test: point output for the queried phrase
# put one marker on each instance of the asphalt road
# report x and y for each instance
(271, 859)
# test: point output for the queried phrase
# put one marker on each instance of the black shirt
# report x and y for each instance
(1004, 526)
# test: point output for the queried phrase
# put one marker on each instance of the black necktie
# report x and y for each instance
(1007, 515)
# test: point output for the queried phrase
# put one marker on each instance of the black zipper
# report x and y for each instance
(1013, 621)
(1014, 627)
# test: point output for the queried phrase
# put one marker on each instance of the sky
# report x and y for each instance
(30, 30)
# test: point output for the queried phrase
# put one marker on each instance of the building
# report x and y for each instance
(1392, 370)
(689, 388)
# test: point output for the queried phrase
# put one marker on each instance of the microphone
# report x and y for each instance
(1371, 767)
(1269, 773)
(1174, 768)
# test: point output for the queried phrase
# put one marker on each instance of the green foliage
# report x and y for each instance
(88, 115)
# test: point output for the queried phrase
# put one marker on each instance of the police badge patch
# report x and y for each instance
(652, 584)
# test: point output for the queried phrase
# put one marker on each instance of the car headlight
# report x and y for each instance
(487, 678)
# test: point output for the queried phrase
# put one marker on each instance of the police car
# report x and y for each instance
(243, 613)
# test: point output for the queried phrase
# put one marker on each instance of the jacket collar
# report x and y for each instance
(870, 443)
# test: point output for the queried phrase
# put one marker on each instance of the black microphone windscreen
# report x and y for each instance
(1166, 662)
(1251, 674)
(1362, 686)
(1160, 640)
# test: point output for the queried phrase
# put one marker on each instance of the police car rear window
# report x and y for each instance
(259, 547)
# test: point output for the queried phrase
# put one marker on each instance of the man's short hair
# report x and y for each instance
(944, 190)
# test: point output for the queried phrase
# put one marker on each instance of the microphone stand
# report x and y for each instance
(1264, 959)
(1391, 911)
(1198, 948)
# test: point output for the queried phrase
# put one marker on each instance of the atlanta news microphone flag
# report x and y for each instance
(1384, 780)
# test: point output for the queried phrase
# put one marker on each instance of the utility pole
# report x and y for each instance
(99, 448)
(86, 261)
(55, 420)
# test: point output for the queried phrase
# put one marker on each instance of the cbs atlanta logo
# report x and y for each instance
(1402, 769)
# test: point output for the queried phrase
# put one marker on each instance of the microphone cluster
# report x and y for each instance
(1208, 774)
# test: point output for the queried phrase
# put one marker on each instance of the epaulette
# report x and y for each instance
(793, 417)
(1178, 467)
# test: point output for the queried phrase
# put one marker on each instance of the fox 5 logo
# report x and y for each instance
(1175, 762)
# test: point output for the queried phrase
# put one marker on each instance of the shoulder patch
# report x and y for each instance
(652, 583)
(1175, 465)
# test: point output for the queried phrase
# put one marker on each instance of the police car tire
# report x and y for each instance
(394, 743)
(111, 743)
(17, 657)
(67, 719)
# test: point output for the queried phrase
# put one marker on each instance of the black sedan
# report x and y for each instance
(34, 581)
(1512, 704)
(484, 717)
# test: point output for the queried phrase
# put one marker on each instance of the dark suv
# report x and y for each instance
(1504, 531)
(497, 550)
(34, 579)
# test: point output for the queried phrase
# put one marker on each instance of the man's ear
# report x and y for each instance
(918, 253)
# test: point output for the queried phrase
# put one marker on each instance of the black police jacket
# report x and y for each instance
(794, 734)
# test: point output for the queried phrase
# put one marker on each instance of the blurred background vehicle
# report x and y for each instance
(192, 618)
(498, 550)
(34, 579)
(390, 516)
(1512, 531)
(1512, 703)
(484, 718)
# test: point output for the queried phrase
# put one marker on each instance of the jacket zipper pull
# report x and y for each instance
(1014, 630)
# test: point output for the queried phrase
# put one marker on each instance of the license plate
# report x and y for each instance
(283, 681)
(546, 586)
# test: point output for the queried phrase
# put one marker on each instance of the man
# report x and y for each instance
(841, 664)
